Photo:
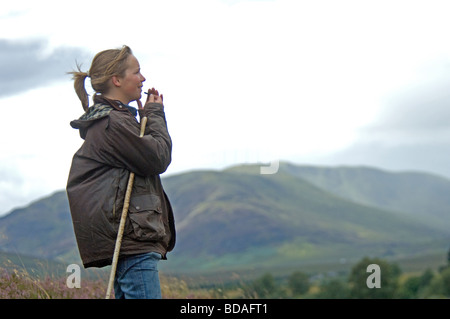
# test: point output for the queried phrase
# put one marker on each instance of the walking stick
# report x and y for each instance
(123, 218)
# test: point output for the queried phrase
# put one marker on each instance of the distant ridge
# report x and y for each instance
(238, 219)
(423, 195)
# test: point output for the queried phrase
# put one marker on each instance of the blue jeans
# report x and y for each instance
(137, 277)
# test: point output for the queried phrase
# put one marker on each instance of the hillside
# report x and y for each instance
(423, 195)
(237, 219)
(42, 229)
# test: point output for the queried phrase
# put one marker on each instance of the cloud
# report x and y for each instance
(37, 143)
(30, 64)
(426, 157)
(412, 131)
(421, 105)
(251, 81)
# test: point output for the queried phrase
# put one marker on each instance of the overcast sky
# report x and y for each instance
(311, 82)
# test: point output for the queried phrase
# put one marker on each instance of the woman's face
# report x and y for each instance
(131, 82)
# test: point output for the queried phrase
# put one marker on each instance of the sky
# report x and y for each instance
(324, 82)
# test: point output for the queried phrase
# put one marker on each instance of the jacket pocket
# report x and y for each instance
(146, 217)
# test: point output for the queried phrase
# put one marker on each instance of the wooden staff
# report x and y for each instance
(123, 218)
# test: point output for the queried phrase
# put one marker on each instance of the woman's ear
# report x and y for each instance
(116, 81)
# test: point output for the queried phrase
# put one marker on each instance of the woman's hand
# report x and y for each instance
(153, 96)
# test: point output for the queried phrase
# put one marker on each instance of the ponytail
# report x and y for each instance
(80, 78)
(104, 66)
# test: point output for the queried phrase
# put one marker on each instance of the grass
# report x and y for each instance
(19, 283)
(46, 282)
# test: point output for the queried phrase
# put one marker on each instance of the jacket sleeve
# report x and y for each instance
(147, 155)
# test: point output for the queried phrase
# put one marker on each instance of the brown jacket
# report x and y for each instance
(99, 175)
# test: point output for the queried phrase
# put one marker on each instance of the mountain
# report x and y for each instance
(42, 229)
(420, 194)
(237, 219)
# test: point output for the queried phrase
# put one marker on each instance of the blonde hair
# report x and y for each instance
(104, 66)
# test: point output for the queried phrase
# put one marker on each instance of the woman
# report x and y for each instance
(99, 174)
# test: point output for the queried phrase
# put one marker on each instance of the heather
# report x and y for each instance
(18, 283)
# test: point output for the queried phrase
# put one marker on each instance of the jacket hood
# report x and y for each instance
(95, 112)
(99, 110)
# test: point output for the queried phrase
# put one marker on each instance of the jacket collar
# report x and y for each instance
(117, 105)
(101, 108)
